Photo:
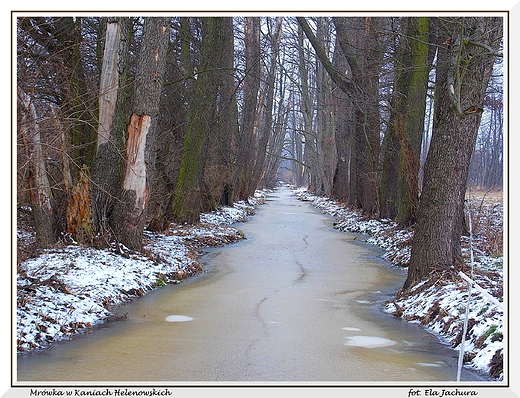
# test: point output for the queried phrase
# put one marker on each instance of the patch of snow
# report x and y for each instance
(369, 341)
(178, 318)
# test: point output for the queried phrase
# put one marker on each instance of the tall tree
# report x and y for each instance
(307, 112)
(265, 132)
(358, 38)
(39, 187)
(177, 98)
(465, 64)
(212, 122)
(249, 124)
(130, 210)
(399, 191)
(218, 171)
(114, 90)
(325, 126)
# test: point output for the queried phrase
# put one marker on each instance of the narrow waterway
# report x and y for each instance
(296, 301)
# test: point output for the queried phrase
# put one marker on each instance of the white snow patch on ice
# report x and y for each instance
(178, 318)
(369, 341)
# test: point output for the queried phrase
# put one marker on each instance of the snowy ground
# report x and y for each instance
(67, 290)
(440, 304)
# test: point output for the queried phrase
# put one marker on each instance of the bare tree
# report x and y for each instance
(130, 210)
(399, 190)
(107, 168)
(250, 115)
(465, 64)
(204, 177)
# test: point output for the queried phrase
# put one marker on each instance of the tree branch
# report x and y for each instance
(343, 82)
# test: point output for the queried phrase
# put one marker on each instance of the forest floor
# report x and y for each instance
(69, 289)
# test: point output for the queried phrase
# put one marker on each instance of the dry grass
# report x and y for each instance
(487, 213)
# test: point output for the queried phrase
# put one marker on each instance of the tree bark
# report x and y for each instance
(218, 177)
(364, 57)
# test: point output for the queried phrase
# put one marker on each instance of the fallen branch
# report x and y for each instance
(53, 282)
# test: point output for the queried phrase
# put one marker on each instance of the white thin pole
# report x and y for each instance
(465, 330)
(466, 317)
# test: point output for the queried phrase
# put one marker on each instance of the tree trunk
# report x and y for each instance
(399, 190)
(307, 114)
(362, 51)
(219, 165)
(343, 116)
(130, 210)
(107, 168)
(325, 127)
(464, 67)
(410, 135)
(40, 191)
(204, 179)
(266, 132)
(251, 84)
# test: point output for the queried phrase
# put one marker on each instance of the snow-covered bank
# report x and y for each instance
(67, 290)
(440, 304)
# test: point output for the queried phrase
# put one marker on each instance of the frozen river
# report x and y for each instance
(295, 302)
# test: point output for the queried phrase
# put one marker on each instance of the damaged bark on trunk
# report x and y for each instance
(130, 211)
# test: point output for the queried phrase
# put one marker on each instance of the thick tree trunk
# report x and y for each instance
(357, 37)
(218, 176)
(204, 179)
(131, 209)
(399, 190)
(410, 135)
(107, 168)
(464, 68)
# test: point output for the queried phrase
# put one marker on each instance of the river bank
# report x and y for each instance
(71, 288)
(439, 304)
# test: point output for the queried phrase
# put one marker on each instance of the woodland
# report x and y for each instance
(125, 125)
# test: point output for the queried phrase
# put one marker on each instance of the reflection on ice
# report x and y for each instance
(369, 341)
(351, 329)
(429, 364)
(178, 318)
